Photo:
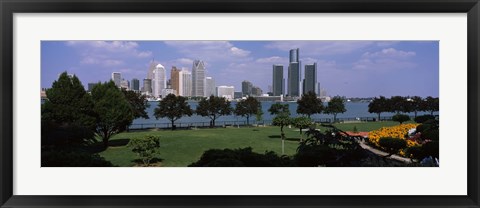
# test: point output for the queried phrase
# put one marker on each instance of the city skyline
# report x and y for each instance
(346, 68)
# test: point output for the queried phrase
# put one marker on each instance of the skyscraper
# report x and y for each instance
(277, 85)
(256, 91)
(135, 85)
(125, 84)
(246, 88)
(147, 86)
(227, 92)
(310, 81)
(209, 86)
(117, 78)
(159, 81)
(151, 68)
(175, 79)
(294, 74)
(198, 78)
(185, 83)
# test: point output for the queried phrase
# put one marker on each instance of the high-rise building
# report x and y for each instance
(185, 83)
(209, 86)
(125, 84)
(246, 88)
(237, 95)
(294, 74)
(278, 80)
(159, 81)
(117, 78)
(227, 92)
(147, 86)
(198, 78)
(175, 79)
(135, 85)
(256, 91)
(323, 92)
(310, 81)
(151, 68)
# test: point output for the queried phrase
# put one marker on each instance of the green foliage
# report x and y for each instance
(138, 103)
(355, 130)
(147, 148)
(278, 108)
(423, 118)
(314, 155)
(401, 118)
(282, 120)
(213, 107)
(248, 107)
(302, 123)
(309, 104)
(114, 113)
(68, 107)
(392, 145)
(336, 106)
(173, 107)
(63, 158)
(378, 106)
(430, 104)
(243, 157)
(259, 115)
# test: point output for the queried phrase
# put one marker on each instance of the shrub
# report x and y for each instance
(401, 118)
(415, 152)
(243, 157)
(392, 145)
(62, 158)
(146, 148)
(314, 155)
(431, 149)
(423, 118)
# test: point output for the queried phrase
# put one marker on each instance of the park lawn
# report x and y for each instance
(181, 147)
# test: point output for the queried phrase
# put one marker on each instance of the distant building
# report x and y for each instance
(310, 81)
(323, 92)
(151, 68)
(185, 83)
(269, 98)
(198, 78)
(135, 85)
(91, 85)
(147, 87)
(167, 91)
(278, 80)
(237, 95)
(247, 88)
(159, 81)
(256, 91)
(209, 86)
(175, 79)
(117, 78)
(227, 92)
(294, 74)
(125, 84)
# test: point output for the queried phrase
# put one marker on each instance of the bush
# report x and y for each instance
(392, 145)
(146, 148)
(401, 118)
(431, 149)
(314, 155)
(415, 152)
(240, 158)
(62, 158)
(423, 118)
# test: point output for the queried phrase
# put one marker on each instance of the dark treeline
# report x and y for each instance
(398, 104)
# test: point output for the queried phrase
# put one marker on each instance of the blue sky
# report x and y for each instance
(346, 68)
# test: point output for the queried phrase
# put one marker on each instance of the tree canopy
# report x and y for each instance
(278, 108)
(309, 104)
(378, 106)
(336, 106)
(138, 103)
(246, 108)
(213, 107)
(114, 113)
(173, 107)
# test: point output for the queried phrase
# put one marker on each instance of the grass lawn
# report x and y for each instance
(180, 148)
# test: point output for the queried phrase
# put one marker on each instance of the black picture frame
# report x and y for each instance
(9, 7)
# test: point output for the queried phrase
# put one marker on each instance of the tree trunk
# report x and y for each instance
(173, 125)
(105, 142)
(213, 123)
(415, 114)
(334, 118)
(301, 135)
(248, 123)
(378, 116)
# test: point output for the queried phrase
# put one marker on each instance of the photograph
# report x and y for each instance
(239, 103)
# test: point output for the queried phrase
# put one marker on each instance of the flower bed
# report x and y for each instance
(399, 131)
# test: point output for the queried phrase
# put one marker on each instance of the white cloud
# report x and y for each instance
(210, 50)
(272, 60)
(239, 52)
(390, 53)
(315, 48)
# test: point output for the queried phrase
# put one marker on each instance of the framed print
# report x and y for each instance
(249, 104)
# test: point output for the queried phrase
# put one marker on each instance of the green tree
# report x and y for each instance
(213, 107)
(431, 104)
(246, 108)
(396, 104)
(259, 115)
(309, 104)
(335, 106)
(67, 114)
(302, 123)
(401, 118)
(146, 148)
(278, 108)
(114, 113)
(173, 107)
(138, 103)
(282, 120)
(416, 104)
(378, 106)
